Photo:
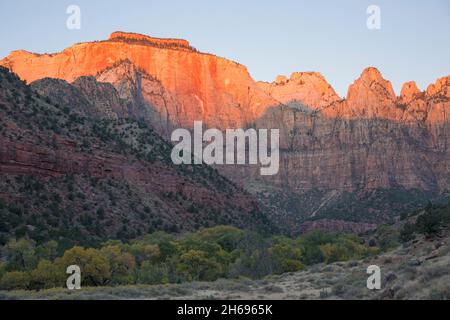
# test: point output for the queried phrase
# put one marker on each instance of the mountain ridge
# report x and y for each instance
(18, 60)
(369, 143)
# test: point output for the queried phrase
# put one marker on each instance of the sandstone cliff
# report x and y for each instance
(370, 140)
(308, 90)
(196, 86)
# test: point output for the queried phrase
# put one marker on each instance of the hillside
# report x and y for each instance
(81, 177)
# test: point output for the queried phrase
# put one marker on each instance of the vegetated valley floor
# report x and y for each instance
(416, 270)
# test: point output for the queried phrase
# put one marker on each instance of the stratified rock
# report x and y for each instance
(201, 86)
(409, 92)
(305, 90)
(370, 96)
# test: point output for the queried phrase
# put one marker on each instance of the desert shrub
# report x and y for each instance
(434, 272)
(442, 292)
(429, 223)
(433, 220)
(407, 232)
(388, 237)
(310, 244)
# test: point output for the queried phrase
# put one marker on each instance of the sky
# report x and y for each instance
(269, 37)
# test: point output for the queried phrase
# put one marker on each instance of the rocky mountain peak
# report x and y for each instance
(281, 79)
(308, 90)
(441, 87)
(371, 96)
(372, 74)
(409, 92)
(371, 81)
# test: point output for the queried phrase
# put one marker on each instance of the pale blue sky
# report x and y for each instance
(269, 37)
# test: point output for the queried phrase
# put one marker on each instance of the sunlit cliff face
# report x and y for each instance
(184, 85)
(180, 85)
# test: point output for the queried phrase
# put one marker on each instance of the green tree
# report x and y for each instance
(165, 242)
(227, 237)
(47, 275)
(143, 252)
(2, 268)
(151, 273)
(407, 232)
(20, 255)
(95, 268)
(285, 258)
(48, 250)
(123, 264)
(334, 252)
(195, 265)
(15, 280)
(430, 223)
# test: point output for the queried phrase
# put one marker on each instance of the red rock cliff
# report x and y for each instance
(200, 86)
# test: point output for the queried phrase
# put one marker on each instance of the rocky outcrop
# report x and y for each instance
(102, 96)
(440, 88)
(409, 92)
(85, 95)
(304, 90)
(144, 95)
(61, 92)
(371, 96)
(152, 41)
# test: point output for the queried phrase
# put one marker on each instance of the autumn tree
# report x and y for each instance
(15, 280)
(95, 267)
(47, 275)
(122, 264)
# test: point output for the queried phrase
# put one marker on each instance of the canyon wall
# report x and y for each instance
(370, 139)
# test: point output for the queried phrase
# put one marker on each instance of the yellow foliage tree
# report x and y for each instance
(94, 266)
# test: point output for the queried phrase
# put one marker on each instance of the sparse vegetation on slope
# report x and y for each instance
(81, 180)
